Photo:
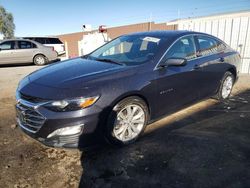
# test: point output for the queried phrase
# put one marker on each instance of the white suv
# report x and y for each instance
(50, 41)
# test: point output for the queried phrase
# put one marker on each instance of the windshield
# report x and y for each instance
(129, 50)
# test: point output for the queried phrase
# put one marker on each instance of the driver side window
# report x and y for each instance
(8, 45)
(183, 48)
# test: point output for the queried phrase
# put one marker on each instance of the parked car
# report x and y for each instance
(50, 41)
(114, 92)
(15, 51)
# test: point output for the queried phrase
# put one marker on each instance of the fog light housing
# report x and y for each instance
(65, 131)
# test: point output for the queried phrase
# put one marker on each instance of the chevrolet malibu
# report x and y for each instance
(114, 92)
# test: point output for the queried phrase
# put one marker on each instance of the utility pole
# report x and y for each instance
(150, 20)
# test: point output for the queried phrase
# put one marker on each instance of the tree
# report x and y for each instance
(7, 25)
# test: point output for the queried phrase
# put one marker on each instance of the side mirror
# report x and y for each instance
(174, 62)
(85, 56)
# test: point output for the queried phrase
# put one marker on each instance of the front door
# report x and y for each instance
(7, 53)
(178, 86)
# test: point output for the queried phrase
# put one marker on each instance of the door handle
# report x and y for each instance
(222, 59)
(197, 67)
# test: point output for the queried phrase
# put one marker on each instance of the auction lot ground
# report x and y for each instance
(205, 145)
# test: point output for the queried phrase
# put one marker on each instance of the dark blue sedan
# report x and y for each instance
(115, 91)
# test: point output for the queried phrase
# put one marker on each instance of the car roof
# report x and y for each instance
(165, 33)
(40, 37)
(19, 39)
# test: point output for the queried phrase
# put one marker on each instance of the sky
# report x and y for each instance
(53, 17)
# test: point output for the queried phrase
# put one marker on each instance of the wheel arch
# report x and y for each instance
(233, 71)
(133, 94)
(37, 55)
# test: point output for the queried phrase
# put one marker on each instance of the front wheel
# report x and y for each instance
(127, 121)
(226, 86)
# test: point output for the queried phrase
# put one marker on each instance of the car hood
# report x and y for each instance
(72, 78)
(72, 73)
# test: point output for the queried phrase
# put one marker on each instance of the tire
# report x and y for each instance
(226, 86)
(40, 60)
(127, 121)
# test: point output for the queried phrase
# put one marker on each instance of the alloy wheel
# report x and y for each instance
(129, 122)
(40, 60)
(227, 87)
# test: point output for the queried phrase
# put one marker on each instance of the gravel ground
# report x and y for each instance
(205, 145)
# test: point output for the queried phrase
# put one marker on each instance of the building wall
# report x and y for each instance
(233, 28)
(113, 32)
(71, 40)
(117, 31)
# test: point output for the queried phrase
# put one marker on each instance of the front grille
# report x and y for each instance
(28, 118)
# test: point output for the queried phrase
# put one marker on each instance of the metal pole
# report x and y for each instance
(150, 20)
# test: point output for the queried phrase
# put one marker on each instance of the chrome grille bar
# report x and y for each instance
(28, 117)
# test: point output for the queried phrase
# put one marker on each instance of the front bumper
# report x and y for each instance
(39, 122)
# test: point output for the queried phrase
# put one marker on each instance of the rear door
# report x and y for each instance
(211, 61)
(7, 52)
(25, 51)
(178, 85)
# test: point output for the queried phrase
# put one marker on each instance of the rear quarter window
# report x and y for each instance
(207, 45)
(221, 46)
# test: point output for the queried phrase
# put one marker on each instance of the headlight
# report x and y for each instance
(71, 104)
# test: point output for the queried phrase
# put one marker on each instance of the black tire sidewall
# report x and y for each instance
(112, 117)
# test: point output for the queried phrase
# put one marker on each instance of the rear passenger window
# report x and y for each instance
(54, 41)
(25, 45)
(183, 48)
(207, 45)
(40, 40)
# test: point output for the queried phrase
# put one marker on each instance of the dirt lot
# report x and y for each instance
(205, 145)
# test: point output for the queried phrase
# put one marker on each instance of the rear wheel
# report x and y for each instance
(226, 86)
(40, 60)
(127, 121)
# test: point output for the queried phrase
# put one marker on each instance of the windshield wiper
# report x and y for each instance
(109, 61)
